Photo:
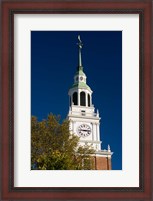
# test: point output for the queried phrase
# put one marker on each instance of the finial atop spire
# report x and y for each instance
(97, 113)
(80, 44)
(109, 148)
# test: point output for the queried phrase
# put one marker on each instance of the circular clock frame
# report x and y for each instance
(84, 130)
(81, 78)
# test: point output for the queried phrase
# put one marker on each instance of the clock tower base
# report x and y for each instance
(102, 163)
(102, 160)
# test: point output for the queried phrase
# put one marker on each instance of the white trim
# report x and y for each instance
(129, 25)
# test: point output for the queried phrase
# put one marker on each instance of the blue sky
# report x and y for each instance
(54, 59)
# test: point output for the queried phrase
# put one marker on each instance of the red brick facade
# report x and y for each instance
(102, 163)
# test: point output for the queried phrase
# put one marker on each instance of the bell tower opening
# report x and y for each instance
(75, 98)
(89, 100)
(82, 99)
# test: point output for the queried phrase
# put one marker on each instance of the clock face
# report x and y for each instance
(81, 78)
(84, 130)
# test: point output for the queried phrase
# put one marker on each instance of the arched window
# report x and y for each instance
(75, 98)
(89, 100)
(82, 99)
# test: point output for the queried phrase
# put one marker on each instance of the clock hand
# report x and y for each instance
(85, 130)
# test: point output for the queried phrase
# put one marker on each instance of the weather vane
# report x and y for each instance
(80, 44)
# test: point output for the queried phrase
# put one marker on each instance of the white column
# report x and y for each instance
(98, 128)
(78, 97)
(86, 99)
(96, 132)
(92, 132)
(89, 100)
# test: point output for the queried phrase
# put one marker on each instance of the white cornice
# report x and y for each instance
(84, 117)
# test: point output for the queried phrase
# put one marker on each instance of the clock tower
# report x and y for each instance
(84, 121)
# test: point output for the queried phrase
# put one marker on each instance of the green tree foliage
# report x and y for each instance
(54, 148)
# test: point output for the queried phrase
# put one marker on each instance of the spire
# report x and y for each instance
(80, 44)
(80, 77)
(109, 150)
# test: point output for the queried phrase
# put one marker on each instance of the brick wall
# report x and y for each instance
(102, 163)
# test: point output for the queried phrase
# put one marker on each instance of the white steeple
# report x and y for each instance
(80, 93)
(82, 115)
